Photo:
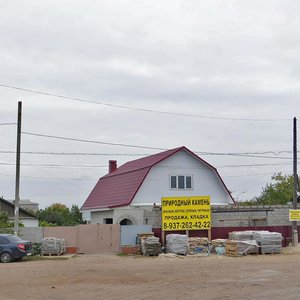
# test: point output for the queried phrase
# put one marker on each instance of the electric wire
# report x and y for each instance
(138, 108)
(55, 176)
(176, 167)
(50, 178)
(90, 141)
(247, 154)
(147, 147)
(74, 153)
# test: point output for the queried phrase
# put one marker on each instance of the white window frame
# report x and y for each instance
(177, 176)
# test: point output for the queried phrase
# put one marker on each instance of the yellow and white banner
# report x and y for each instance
(186, 213)
(294, 215)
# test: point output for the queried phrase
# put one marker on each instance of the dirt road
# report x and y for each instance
(108, 276)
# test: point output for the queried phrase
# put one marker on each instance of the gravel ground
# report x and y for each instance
(109, 276)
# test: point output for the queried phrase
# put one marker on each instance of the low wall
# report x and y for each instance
(243, 216)
(33, 234)
(237, 218)
(104, 237)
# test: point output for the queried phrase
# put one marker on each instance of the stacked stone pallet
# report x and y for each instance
(238, 248)
(151, 246)
(142, 236)
(249, 242)
(269, 242)
(218, 243)
(198, 245)
(53, 246)
(177, 244)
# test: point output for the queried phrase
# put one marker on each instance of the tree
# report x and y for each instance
(7, 226)
(75, 214)
(279, 191)
(59, 214)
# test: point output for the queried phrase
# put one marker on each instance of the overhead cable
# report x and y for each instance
(139, 108)
(247, 154)
(90, 141)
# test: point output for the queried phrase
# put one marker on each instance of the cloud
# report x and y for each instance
(231, 59)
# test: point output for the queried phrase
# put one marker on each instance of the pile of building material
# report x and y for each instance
(142, 236)
(151, 246)
(238, 248)
(177, 243)
(269, 242)
(220, 243)
(231, 248)
(198, 245)
(53, 246)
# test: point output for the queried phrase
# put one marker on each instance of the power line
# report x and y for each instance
(248, 175)
(53, 175)
(55, 165)
(243, 155)
(250, 184)
(246, 154)
(139, 108)
(2, 124)
(252, 165)
(76, 153)
(50, 178)
(90, 141)
(100, 166)
(148, 147)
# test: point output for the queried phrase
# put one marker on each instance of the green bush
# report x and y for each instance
(36, 248)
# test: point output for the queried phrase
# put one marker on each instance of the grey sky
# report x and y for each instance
(224, 59)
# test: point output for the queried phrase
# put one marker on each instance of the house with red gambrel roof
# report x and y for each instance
(126, 192)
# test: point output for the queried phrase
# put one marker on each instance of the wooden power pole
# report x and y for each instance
(17, 188)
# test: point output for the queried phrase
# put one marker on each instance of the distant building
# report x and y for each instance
(26, 217)
(125, 193)
(29, 205)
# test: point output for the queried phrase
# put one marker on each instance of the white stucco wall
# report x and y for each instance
(97, 217)
(135, 214)
(157, 182)
(30, 222)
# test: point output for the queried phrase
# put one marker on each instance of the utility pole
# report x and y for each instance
(17, 188)
(294, 223)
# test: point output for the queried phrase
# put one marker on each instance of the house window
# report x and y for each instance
(108, 221)
(181, 182)
(173, 182)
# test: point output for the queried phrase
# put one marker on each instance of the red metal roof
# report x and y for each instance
(119, 187)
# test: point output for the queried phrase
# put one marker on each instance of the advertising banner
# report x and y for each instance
(294, 215)
(186, 213)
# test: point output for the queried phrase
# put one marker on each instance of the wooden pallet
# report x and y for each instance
(231, 248)
(51, 254)
(232, 253)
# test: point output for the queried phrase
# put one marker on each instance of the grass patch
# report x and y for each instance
(38, 258)
(130, 255)
(122, 254)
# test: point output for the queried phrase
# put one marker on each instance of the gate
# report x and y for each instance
(97, 238)
(92, 238)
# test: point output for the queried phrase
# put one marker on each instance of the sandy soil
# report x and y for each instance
(108, 276)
